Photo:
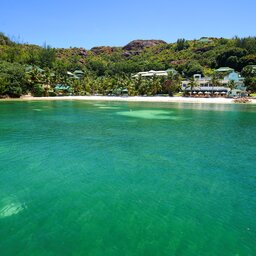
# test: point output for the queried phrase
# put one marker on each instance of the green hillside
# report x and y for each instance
(28, 68)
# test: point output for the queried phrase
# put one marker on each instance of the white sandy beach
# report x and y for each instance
(135, 99)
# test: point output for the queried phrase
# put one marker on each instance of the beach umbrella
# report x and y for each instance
(207, 93)
(223, 92)
(200, 93)
(216, 93)
(194, 92)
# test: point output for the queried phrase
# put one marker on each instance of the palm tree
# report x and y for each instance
(172, 83)
(231, 85)
(215, 81)
(34, 77)
(154, 86)
(138, 84)
(47, 80)
(192, 84)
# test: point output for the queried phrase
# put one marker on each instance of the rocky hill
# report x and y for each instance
(186, 56)
(139, 45)
(111, 66)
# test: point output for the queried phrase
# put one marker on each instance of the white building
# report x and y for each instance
(155, 73)
(204, 84)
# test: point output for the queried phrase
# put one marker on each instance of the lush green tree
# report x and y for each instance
(12, 79)
(97, 66)
(5, 40)
(34, 76)
(231, 85)
(46, 56)
(33, 56)
(13, 53)
(171, 84)
(38, 90)
(249, 72)
(192, 67)
(230, 57)
(215, 81)
(250, 83)
(111, 70)
(192, 84)
(247, 60)
(181, 44)
(248, 43)
(138, 83)
(155, 86)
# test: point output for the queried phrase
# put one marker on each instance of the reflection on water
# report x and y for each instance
(149, 114)
(106, 107)
(196, 106)
(216, 107)
(99, 105)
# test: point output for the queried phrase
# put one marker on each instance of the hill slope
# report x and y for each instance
(187, 57)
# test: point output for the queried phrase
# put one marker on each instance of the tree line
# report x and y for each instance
(110, 72)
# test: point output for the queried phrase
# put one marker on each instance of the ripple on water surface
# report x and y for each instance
(162, 179)
(105, 106)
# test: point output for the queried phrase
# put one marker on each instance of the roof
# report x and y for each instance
(61, 87)
(78, 72)
(207, 89)
(152, 73)
(224, 69)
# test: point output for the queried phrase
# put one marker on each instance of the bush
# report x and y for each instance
(12, 79)
(52, 94)
(38, 91)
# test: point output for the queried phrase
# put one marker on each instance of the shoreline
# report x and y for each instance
(134, 99)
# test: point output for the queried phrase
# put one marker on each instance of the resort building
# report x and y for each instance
(232, 84)
(224, 70)
(62, 89)
(155, 73)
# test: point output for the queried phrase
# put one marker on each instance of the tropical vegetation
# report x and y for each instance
(26, 68)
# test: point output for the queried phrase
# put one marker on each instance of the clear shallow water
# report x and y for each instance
(86, 178)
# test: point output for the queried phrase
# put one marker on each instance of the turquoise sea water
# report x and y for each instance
(101, 178)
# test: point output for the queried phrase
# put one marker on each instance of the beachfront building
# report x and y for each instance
(152, 73)
(231, 84)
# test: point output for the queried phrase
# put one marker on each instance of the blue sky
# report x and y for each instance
(88, 23)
